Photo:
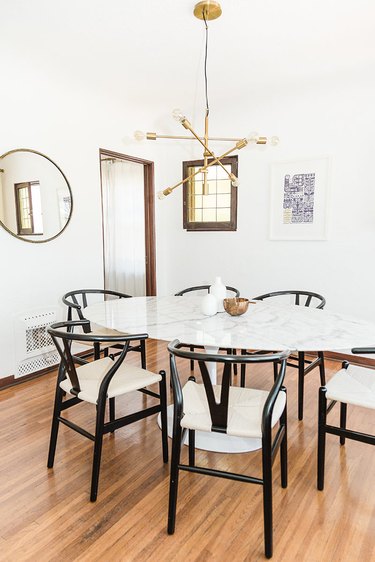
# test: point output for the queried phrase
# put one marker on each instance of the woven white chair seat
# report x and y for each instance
(244, 411)
(97, 330)
(126, 379)
(354, 385)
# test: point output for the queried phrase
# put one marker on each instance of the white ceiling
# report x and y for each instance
(152, 52)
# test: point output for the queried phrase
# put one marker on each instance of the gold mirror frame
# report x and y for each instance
(19, 237)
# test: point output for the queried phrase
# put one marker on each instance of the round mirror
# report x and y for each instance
(35, 196)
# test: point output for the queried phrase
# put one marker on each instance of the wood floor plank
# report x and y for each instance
(46, 515)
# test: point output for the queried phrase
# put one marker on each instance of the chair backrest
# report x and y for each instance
(303, 298)
(62, 334)
(77, 300)
(207, 289)
(219, 410)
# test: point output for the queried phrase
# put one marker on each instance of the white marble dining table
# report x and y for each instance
(265, 326)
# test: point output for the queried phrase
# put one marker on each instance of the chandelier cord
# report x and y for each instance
(205, 66)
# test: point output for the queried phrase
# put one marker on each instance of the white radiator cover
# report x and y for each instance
(35, 349)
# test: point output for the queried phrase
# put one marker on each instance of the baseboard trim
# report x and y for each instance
(6, 382)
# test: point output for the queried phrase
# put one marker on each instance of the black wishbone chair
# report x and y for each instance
(77, 301)
(206, 288)
(352, 385)
(97, 381)
(214, 408)
(298, 361)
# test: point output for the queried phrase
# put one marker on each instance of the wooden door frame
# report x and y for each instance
(149, 198)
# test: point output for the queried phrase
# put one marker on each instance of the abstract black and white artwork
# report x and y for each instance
(299, 199)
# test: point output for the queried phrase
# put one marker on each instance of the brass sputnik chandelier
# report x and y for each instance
(206, 10)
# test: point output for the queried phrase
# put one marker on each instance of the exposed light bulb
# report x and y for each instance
(252, 138)
(161, 195)
(139, 135)
(178, 115)
(274, 141)
(234, 180)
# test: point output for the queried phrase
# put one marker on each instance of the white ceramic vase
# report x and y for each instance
(209, 305)
(219, 290)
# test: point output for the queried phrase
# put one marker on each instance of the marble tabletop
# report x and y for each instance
(264, 326)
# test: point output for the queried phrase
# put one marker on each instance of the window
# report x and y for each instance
(28, 208)
(218, 209)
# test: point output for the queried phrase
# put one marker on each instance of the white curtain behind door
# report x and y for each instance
(124, 226)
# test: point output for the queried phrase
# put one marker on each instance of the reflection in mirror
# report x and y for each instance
(35, 196)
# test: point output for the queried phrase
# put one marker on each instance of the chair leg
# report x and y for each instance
(275, 371)
(343, 411)
(96, 351)
(143, 354)
(322, 369)
(191, 447)
(173, 483)
(191, 361)
(55, 424)
(322, 415)
(112, 411)
(284, 448)
(100, 412)
(163, 415)
(301, 383)
(234, 352)
(267, 494)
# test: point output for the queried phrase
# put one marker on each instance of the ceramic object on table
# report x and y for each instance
(209, 305)
(236, 306)
(219, 290)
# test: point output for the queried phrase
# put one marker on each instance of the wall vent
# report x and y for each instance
(37, 364)
(35, 348)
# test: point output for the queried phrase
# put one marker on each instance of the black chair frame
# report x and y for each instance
(298, 361)
(342, 431)
(207, 288)
(71, 301)
(63, 340)
(219, 412)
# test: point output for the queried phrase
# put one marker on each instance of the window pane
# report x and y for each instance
(197, 186)
(223, 215)
(224, 186)
(209, 215)
(198, 215)
(223, 200)
(198, 201)
(212, 187)
(211, 172)
(221, 174)
(209, 201)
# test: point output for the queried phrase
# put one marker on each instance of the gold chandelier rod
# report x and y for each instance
(155, 136)
(240, 144)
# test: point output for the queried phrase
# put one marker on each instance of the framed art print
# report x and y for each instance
(299, 198)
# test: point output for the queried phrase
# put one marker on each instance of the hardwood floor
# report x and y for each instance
(45, 515)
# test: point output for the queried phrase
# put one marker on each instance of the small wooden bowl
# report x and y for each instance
(236, 306)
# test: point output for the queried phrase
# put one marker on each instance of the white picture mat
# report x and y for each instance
(317, 230)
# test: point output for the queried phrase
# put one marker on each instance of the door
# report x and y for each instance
(128, 223)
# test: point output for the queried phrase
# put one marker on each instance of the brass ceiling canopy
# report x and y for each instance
(208, 9)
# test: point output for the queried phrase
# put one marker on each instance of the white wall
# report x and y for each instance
(326, 119)
(69, 123)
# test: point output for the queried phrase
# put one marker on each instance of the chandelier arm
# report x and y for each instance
(203, 143)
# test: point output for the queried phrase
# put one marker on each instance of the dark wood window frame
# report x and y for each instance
(210, 226)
